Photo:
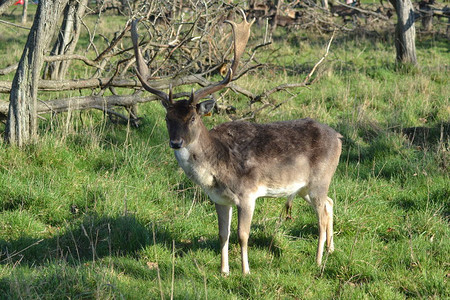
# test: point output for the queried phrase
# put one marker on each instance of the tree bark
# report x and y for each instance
(67, 39)
(5, 5)
(405, 32)
(427, 17)
(21, 126)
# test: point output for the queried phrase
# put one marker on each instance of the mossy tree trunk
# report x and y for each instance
(21, 126)
(405, 32)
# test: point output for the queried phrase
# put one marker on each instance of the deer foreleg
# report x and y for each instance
(224, 214)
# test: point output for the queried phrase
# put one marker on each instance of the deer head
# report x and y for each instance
(182, 116)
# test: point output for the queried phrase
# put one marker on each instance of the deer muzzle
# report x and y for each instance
(176, 143)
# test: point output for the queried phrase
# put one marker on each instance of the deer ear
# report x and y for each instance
(205, 107)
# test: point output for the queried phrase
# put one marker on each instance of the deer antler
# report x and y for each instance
(241, 33)
(142, 69)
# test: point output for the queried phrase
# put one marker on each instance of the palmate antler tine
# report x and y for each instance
(142, 69)
(241, 33)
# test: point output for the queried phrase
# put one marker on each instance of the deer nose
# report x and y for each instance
(176, 144)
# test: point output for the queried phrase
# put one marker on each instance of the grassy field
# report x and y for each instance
(98, 210)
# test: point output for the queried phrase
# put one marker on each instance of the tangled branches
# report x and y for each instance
(184, 43)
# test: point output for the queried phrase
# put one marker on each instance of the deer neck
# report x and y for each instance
(194, 159)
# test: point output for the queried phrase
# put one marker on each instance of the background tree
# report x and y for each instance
(67, 39)
(405, 32)
(24, 12)
(5, 4)
(21, 126)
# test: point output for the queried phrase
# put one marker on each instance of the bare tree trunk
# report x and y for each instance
(21, 126)
(5, 5)
(427, 18)
(24, 12)
(67, 39)
(324, 4)
(405, 32)
(275, 17)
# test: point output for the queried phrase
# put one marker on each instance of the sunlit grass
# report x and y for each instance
(101, 210)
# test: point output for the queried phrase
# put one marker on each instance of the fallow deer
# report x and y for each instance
(237, 162)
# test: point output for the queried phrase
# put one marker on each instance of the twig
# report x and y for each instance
(24, 249)
(90, 242)
(278, 88)
(115, 41)
(157, 265)
(15, 25)
(321, 60)
(84, 59)
(305, 82)
(173, 269)
(204, 278)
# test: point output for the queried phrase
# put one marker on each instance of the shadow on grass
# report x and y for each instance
(96, 237)
(306, 231)
(428, 136)
(379, 140)
(93, 238)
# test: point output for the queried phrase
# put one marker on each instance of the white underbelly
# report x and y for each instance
(219, 198)
(282, 191)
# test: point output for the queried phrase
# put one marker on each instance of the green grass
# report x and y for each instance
(101, 210)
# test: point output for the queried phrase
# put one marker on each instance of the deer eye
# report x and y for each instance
(192, 119)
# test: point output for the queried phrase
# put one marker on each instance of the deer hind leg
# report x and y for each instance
(224, 214)
(245, 214)
(324, 210)
(330, 241)
(288, 207)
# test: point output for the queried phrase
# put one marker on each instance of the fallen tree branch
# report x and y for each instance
(364, 11)
(114, 115)
(8, 69)
(105, 102)
(65, 85)
(82, 103)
